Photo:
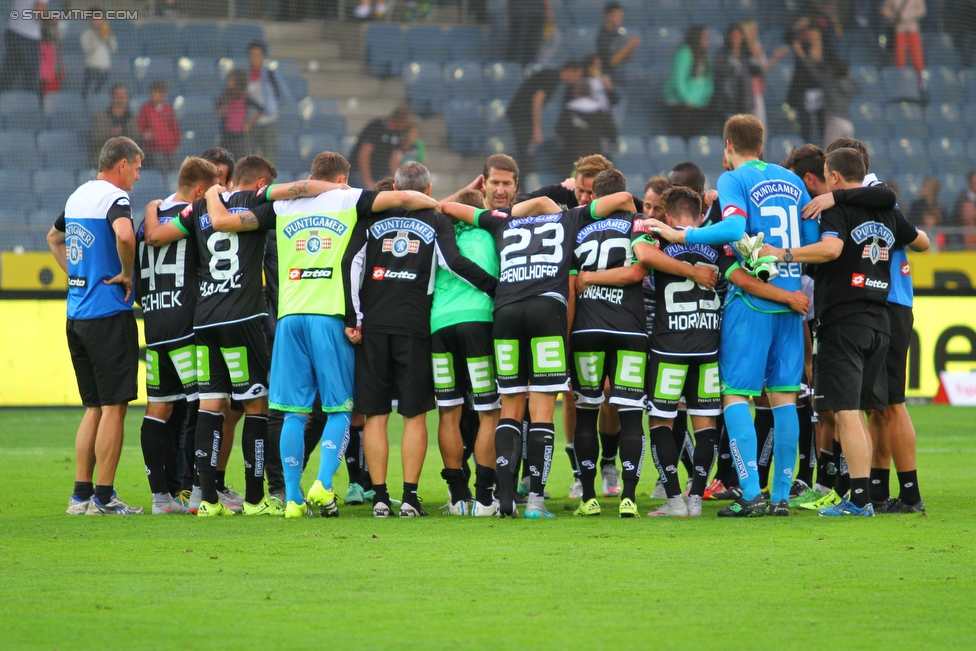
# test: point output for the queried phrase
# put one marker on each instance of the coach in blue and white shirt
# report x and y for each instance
(94, 242)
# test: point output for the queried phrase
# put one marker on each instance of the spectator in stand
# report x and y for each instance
(961, 24)
(927, 201)
(584, 127)
(99, 44)
(612, 46)
(759, 63)
(690, 86)
(266, 92)
(239, 114)
(51, 66)
(158, 130)
(839, 88)
(379, 148)
(931, 222)
(964, 214)
(905, 15)
(22, 48)
(414, 149)
(528, 21)
(366, 9)
(116, 120)
(805, 93)
(733, 74)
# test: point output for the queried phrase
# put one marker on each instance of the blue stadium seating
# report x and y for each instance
(945, 120)
(203, 40)
(149, 69)
(943, 85)
(670, 12)
(20, 201)
(61, 149)
(161, 39)
(285, 66)
(425, 86)
(193, 104)
(237, 36)
(584, 12)
(464, 80)
(151, 185)
(52, 187)
(226, 64)
(503, 79)
(662, 42)
(495, 117)
(322, 115)
(18, 149)
(969, 117)
(297, 86)
(288, 154)
(84, 176)
(909, 186)
(385, 49)
(499, 144)
(20, 110)
(66, 110)
(197, 76)
(706, 151)
(948, 155)
(74, 71)
(782, 119)
(203, 123)
(312, 144)
(466, 43)
(869, 119)
(11, 220)
(910, 155)
(906, 120)
(70, 33)
(779, 147)
(631, 154)
(868, 78)
(127, 35)
(778, 80)
(666, 150)
(952, 186)
(939, 49)
(426, 42)
(900, 84)
(743, 9)
(465, 121)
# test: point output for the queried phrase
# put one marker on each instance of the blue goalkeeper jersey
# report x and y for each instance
(769, 198)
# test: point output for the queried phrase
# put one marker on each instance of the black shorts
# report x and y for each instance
(850, 373)
(171, 370)
(232, 361)
(902, 319)
(389, 366)
(105, 355)
(530, 346)
(622, 357)
(462, 361)
(692, 377)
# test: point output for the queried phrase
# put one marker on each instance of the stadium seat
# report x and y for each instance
(322, 115)
(312, 144)
(74, 72)
(149, 69)
(664, 151)
(237, 36)
(946, 120)
(466, 43)
(52, 187)
(967, 78)
(297, 86)
(161, 39)
(909, 186)
(869, 79)
(384, 49)
(939, 49)
(465, 123)
(203, 40)
(127, 35)
(62, 149)
(743, 10)
(69, 32)
(197, 76)
(584, 12)
(900, 84)
(869, 119)
(952, 186)
(10, 220)
(499, 144)
(21, 197)
(663, 42)
(18, 150)
(284, 66)
(503, 79)
(288, 155)
(84, 176)
(877, 148)
(949, 155)
(778, 80)
(20, 109)
(193, 104)
(226, 64)
(942, 84)
(151, 186)
(427, 42)
(464, 80)
(496, 119)
(25, 237)
(706, 151)
(779, 147)
(425, 86)
(782, 119)
(910, 155)
(631, 154)
(66, 110)
(670, 12)
(201, 124)
(905, 120)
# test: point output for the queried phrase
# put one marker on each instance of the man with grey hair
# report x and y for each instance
(390, 266)
(94, 242)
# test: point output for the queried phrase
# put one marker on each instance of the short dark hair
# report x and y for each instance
(384, 185)
(687, 174)
(502, 162)
(158, 85)
(220, 156)
(848, 163)
(117, 149)
(806, 159)
(115, 87)
(471, 198)
(609, 182)
(612, 6)
(745, 132)
(856, 145)
(681, 200)
(659, 184)
(572, 64)
(260, 45)
(253, 167)
(329, 166)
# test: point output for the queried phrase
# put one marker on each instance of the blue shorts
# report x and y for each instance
(760, 349)
(312, 356)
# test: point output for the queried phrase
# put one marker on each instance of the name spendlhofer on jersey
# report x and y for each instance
(167, 282)
(608, 244)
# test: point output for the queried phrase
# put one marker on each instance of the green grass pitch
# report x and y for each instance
(176, 582)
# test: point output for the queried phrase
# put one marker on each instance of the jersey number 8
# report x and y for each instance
(226, 253)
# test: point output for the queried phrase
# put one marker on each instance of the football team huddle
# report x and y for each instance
(311, 310)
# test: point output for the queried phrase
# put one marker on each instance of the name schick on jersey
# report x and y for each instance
(316, 240)
(164, 271)
(394, 233)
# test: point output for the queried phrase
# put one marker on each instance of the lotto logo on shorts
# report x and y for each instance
(857, 280)
(906, 269)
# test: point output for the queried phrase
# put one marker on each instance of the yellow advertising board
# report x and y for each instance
(946, 271)
(31, 271)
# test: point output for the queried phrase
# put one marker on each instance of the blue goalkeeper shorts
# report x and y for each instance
(311, 356)
(760, 349)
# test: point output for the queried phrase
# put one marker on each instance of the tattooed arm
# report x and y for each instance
(305, 188)
(159, 234)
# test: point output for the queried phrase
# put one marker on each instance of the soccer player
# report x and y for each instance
(762, 333)
(460, 323)
(852, 285)
(94, 243)
(395, 253)
(167, 292)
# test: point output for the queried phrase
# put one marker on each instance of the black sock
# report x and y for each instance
(103, 493)
(367, 481)
(609, 448)
(84, 490)
(631, 450)
(189, 435)
(410, 494)
(508, 452)
(380, 494)
(253, 438)
(155, 447)
(219, 477)
(724, 467)
(174, 437)
(456, 483)
(352, 454)
(571, 453)
(525, 444)
(879, 485)
(860, 491)
(679, 432)
(706, 448)
(484, 481)
(469, 426)
(827, 477)
(272, 452)
(314, 427)
(764, 443)
(207, 441)
(843, 484)
(665, 457)
(587, 447)
(542, 438)
(908, 481)
(806, 445)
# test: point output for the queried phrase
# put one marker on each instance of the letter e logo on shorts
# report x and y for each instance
(479, 372)
(506, 356)
(589, 369)
(443, 367)
(548, 355)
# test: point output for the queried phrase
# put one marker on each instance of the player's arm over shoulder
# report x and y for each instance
(907, 235)
(536, 206)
